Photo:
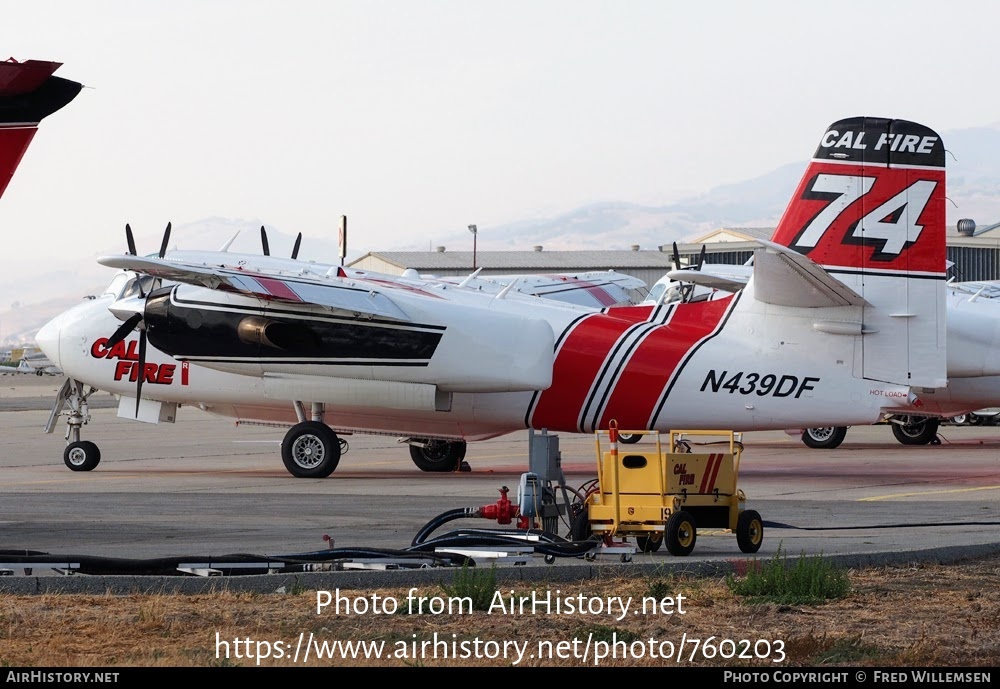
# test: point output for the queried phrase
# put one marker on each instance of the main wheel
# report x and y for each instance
(960, 420)
(438, 455)
(650, 543)
(629, 438)
(310, 450)
(915, 430)
(680, 534)
(825, 438)
(82, 455)
(749, 531)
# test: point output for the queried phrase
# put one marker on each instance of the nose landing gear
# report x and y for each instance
(80, 455)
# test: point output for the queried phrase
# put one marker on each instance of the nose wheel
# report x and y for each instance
(82, 455)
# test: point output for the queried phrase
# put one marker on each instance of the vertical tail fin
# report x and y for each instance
(870, 209)
(28, 94)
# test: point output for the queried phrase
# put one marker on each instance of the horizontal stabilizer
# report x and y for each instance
(787, 278)
(726, 283)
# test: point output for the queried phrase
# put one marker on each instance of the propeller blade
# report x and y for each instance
(129, 240)
(166, 239)
(263, 241)
(295, 249)
(701, 256)
(123, 330)
(142, 370)
(677, 258)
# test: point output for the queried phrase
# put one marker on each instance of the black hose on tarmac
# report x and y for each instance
(443, 518)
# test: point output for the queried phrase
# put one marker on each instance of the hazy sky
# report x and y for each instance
(417, 118)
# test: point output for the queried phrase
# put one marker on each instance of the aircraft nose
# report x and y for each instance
(47, 340)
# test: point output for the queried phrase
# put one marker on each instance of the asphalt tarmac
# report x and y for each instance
(206, 487)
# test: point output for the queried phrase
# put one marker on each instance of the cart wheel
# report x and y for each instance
(590, 557)
(549, 559)
(681, 533)
(749, 531)
(650, 543)
(626, 558)
(579, 529)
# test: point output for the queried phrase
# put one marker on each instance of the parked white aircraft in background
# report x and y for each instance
(39, 363)
(842, 321)
(17, 369)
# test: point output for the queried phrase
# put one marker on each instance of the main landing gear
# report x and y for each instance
(915, 430)
(311, 449)
(907, 429)
(429, 454)
(826, 438)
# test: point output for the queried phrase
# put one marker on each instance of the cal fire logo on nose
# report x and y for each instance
(127, 367)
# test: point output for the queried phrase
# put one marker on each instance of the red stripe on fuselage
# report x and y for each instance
(578, 362)
(655, 361)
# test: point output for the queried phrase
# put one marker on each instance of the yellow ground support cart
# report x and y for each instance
(666, 494)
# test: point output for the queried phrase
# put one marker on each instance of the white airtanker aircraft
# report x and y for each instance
(841, 322)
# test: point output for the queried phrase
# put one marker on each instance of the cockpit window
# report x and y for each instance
(661, 294)
(673, 294)
(115, 288)
(654, 294)
(128, 284)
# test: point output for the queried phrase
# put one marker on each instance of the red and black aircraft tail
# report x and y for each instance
(28, 94)
(872, 199)
(870, 210)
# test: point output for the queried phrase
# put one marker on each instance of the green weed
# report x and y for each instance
(808, 580)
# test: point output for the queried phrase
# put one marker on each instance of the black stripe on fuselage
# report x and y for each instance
(300, 313)
(215, 333)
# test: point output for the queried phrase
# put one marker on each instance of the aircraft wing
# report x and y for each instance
(981, 290)
(340, 294)
(787, 278)
(598, 289)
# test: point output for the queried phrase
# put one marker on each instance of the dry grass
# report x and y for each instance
(921, 615)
